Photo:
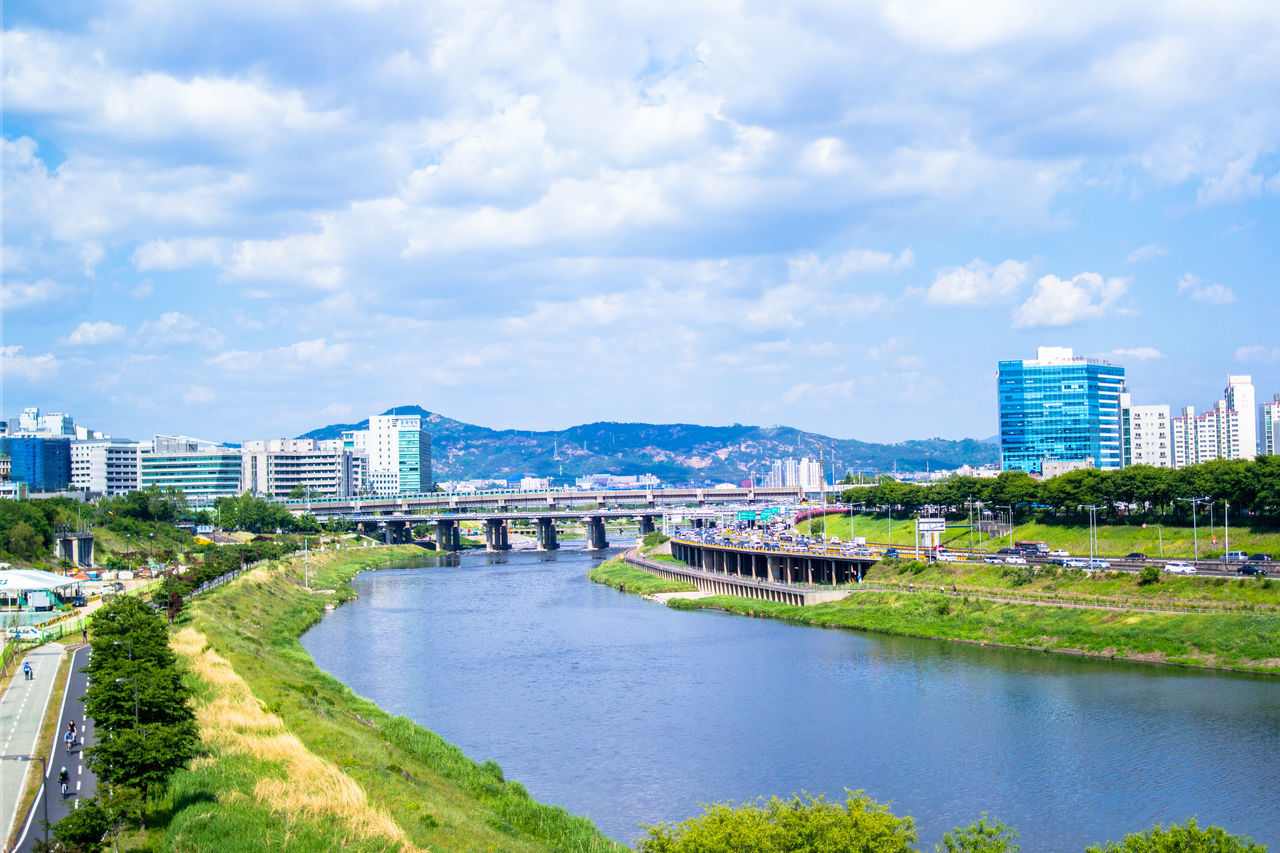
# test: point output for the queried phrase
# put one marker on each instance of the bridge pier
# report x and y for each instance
(646, 525)
(547, 535)
(495, 535)
(448, 537)
(596, 538)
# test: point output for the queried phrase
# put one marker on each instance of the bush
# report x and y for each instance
(1181, 839)
(1148, 575)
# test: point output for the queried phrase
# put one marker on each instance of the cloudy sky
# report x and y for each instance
(242, 219)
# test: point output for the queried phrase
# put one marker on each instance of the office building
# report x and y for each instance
(275, 468)
(200, 469)
(1059, 408)
(1269, 432)
(106, 466)
(399, 453)
(43, 463)
(1146, 434)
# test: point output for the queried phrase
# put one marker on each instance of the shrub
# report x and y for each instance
(1177, 839)
(1148, 575)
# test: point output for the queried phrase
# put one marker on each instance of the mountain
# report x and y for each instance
(673, 452)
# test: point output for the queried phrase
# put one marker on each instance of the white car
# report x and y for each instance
(1180, 568)
(1058, 552)
(1075, 563)
(1099, 564)
(992, 560)
(1015, 560)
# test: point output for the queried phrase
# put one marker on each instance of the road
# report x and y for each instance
(83, 782)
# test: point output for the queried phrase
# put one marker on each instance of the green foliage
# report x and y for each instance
(81, 831)
(802, 823)
(619, 575)
(653, 540)
(1019, 575)
(985, 835)
(1149, 575)
(1188, 838)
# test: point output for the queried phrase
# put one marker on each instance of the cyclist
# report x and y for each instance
(71, 727)
(63, 779)
(69, 739)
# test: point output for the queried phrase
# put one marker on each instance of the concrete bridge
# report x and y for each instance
(652, 498)
(770, 565)
(721, 583)
(399, 528)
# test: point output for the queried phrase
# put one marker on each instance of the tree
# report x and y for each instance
(1188, 838)
(24, 542)
(802, 823)
(1149, 575)
(81, 830)
(982, 836)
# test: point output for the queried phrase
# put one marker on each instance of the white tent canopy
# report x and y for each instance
(22, 581)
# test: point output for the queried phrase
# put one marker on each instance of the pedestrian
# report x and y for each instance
(84, 633)
(26, 670)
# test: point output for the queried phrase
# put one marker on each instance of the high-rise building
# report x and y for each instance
(107, 466)
(276, 467)
(1269, 435)
(399, 454)
(1059, 408)
(1146, 436)
(1240, 398)
(44, 464)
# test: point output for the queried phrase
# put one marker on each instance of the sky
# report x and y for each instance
(243, 220)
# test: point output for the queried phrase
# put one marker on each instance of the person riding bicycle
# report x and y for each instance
(63, 778)
(69, 739)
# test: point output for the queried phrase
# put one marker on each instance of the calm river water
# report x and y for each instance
(630, 713)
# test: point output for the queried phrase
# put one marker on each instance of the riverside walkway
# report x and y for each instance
(22, 710)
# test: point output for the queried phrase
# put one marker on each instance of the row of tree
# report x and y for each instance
(1248, 487)
(143, 718)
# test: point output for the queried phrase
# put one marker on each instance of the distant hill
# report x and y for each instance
(673, 452)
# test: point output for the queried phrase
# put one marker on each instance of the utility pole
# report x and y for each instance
(1195, 533)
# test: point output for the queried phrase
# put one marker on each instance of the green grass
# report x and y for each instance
(619, 575)
(1067, 582)
(1245, 642)
(442, 799)
(1112, 539)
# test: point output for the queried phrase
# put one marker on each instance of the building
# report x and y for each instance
(106, 466)
(201, 469)
(1059, 408)
(1146, 435)
(1269, 432)
(1228, 430)
(43, 464)
(1239, 397)
(399, 453)
(276, 467)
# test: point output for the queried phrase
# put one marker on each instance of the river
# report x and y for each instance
(629, 712)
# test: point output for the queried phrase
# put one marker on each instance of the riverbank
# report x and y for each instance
(1247, 642)
(297, 761)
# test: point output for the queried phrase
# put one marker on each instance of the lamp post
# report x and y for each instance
(1093, 536)
(1010, 508)
(128, 643)
(1195, 533)
(1226, 525)
(44, 775)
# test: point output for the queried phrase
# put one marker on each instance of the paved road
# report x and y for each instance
(83, 782)
(21, 713)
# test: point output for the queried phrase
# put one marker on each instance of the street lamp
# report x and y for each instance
(44, 775)
(128, 643)
(1195, 533)
(1093, 536)
(1010, 508)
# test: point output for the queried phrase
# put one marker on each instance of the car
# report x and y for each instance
(1235, 557)
(992, 560)
(79, 601)
(1178, 567)
(1260, 558)
(1136, 555)
(1008, 551)
(1059, 552)
(891, 552)
(1075, 563)
(1015, 560)
(1252, 571)
(1057, 561)
(1099, 564)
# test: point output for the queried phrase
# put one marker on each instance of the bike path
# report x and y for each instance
(82, 781)
(22, 710)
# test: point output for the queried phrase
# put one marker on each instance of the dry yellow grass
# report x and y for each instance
(236, 721)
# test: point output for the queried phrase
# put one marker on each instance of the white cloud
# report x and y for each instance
(1258, 353)
(20, 294)
(1146, 253)
(143, 289)
(175, 327)
(1237, 182)
(810, 269)
(1138, 353)
(13, 362)
(1059, 302)
(978, 283)
(1212, 294)
(101, 332)
(177, 254)
(315, 354)
(809, 390)
(198, 394)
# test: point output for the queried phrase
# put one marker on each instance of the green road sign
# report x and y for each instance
(746, 515)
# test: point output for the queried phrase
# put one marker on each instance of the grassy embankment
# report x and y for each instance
(1112, 539)
(296, 761)
(619, 575)
(1245, 641)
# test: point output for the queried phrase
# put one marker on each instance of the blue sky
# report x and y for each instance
(241, 220)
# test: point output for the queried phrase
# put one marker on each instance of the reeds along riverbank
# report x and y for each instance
(296, 761)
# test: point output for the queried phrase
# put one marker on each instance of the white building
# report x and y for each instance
(809, 474)
(106, 466)
(783, 472)
(534, 484)
(1269, 434)
(276, 467)
(1146, 434)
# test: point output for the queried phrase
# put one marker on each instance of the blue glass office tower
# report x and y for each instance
(1059, 408)
(44, 464)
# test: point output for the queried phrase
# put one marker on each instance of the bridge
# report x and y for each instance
(774, 564)
(745, 587)
(508, 500)
(399, 528)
